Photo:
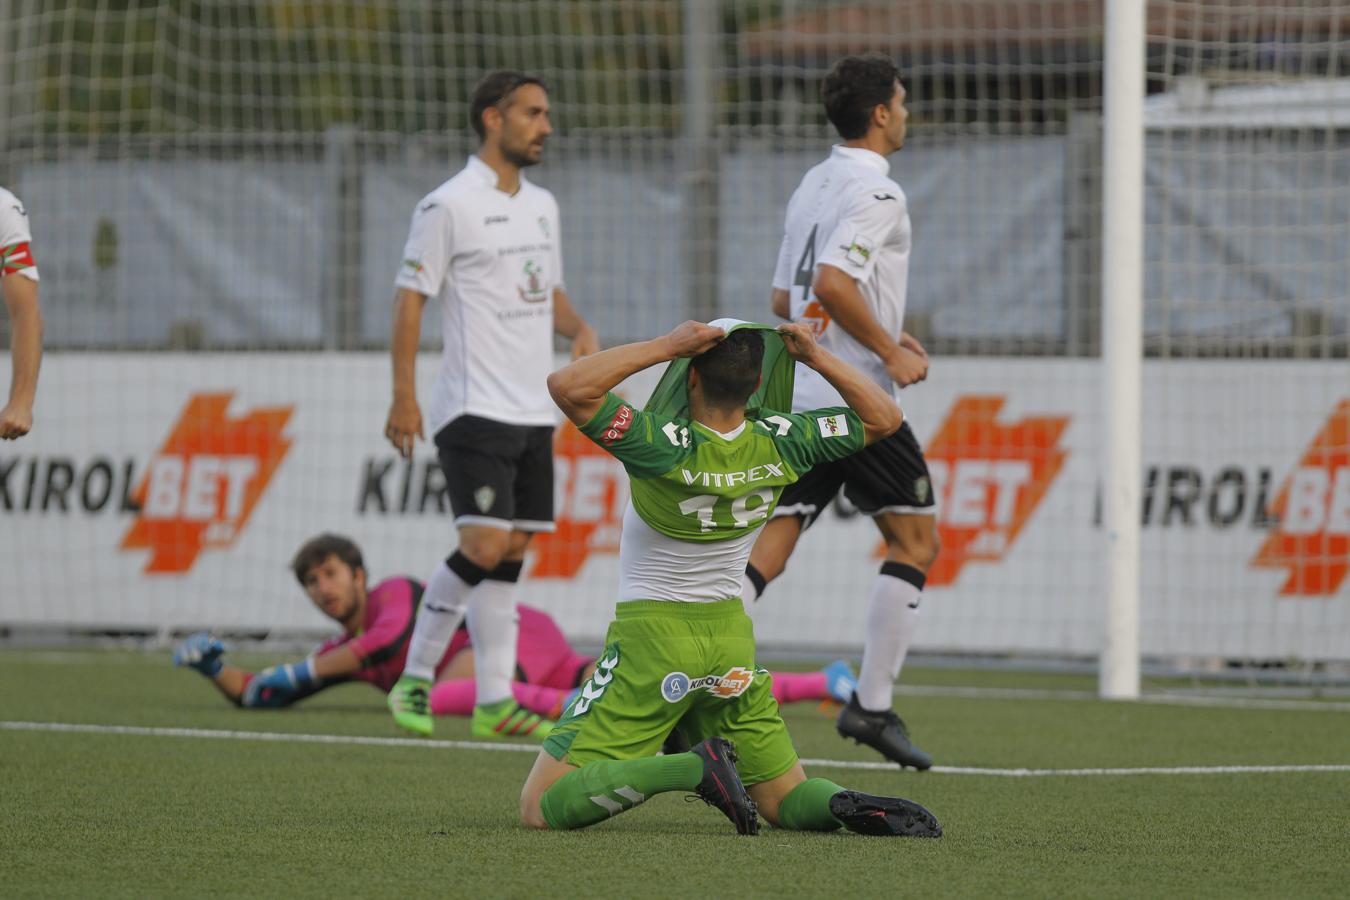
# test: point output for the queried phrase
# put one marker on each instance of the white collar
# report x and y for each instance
(486, 174)
(730, 435)
(862, 155)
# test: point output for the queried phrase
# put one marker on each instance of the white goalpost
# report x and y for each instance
(1122, 340)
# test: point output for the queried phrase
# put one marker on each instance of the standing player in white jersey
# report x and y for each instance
(486, 245)
(843, 268)
(19, 284)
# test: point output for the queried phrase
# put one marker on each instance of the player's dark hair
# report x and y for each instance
(317, 549)
(729, 371)
(856, 86)
(492, 90)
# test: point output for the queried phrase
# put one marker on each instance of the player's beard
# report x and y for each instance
(349, 612)
(520, 158)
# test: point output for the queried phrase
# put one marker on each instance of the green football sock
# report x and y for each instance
(807, 806)
(606, 788)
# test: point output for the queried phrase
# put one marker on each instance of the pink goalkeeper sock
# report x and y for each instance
(789, 687)
(546, 701)
(455, 698)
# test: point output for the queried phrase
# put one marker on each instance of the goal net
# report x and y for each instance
(219, 193)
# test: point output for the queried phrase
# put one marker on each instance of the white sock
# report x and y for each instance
(442, 611)
(494, 626)
(892, 619)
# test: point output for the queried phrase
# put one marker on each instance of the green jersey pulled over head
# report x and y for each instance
(699, 494)
(707, 460)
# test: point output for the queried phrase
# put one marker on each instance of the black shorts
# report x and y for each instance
(498, 475)
(889, 476)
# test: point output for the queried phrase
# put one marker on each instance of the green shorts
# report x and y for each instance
(667, 664)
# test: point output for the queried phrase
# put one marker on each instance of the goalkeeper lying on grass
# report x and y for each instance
(376, 624)
(707, 461)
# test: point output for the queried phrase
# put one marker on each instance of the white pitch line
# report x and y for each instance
(1200, 700)
(274, 736)
(1043, 773)
(423, 743)
(1161, 698)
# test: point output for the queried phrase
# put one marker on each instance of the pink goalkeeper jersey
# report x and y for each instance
(382, 642)
(543, 653)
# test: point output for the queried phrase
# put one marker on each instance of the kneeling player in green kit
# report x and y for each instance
(706, 466)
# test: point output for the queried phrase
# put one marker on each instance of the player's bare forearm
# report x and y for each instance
(880, 415)
(230, 681)
(781, 303)
(404, 424)
(579, 388)
(570, 324)
(874, 405)
(25, 317)
(838, 292)
(404, 340)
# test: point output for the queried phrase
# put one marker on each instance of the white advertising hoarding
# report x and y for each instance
(169, 491)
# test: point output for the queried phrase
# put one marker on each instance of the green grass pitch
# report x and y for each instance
(118, 815)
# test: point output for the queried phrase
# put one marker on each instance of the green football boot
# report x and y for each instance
(508, 719)
(410, 703)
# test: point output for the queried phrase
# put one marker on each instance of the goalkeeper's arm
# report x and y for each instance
(285, 684)
(272, 688)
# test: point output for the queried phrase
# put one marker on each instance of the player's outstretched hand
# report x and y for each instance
(907, 367)
(404, 426)
(200, 651)
(800, 341)
(692, 338)
(16, 420)
(288, 677)
(264, 692)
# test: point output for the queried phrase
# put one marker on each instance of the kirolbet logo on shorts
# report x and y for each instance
(204, 482)
(677, 685)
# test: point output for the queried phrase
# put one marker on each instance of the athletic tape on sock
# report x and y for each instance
(507, 571)
(468, 570)
(905, 572)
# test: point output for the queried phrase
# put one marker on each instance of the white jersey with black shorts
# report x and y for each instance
(848, 213)
(492, 260)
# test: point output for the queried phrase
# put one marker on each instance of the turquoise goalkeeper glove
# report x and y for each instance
(280, 685)
(257, 694)
(292, 677)
(202, 652)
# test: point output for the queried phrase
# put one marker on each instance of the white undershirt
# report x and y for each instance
(653, 566)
